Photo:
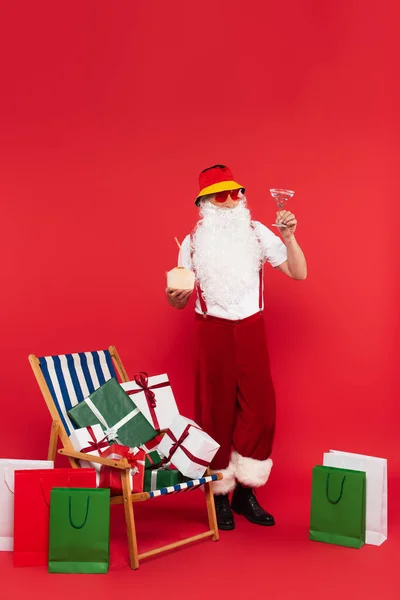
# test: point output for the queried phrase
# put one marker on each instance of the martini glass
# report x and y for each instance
(281, 197)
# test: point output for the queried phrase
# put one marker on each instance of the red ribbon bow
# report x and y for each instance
(177, 443)
(94, 444)
(142, 380)
(130, 457)
(132, 460)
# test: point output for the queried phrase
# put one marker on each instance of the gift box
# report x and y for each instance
(111, 478)
(160, 478)
(112, 408)
(152, 444)
(90, 440)
(154, 398)
(190, 449)
(153, 459)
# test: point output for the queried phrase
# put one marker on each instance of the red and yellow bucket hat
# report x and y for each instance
(217, 178)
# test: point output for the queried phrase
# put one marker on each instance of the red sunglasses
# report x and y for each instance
(223, 196)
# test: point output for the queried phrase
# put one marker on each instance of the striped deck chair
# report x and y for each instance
(65, 380)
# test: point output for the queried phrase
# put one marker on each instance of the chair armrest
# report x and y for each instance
(219, 475)
(116, 464)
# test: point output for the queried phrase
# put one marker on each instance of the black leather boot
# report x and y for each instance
(225, 518)
(245, 503)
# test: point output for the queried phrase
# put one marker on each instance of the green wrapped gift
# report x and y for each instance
(112, 408)
(79, 530)
(153, 459)
(338, 506)
(159, 478)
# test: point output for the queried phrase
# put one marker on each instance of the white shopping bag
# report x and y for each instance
(376, 500)
(7, 468)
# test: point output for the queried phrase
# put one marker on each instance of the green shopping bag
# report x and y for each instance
(79, 530)
(338, 506)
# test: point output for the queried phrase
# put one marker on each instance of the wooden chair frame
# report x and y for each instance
(128, 498)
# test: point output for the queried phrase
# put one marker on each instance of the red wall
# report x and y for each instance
(108, 111)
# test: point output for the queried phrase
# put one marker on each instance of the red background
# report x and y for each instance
(108, 111)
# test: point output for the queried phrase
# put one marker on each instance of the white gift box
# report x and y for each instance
(7, 468)
(194, 448)
(376, 529)
(82, 439)
(156, 402)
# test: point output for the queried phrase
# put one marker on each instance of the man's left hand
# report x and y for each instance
(287, 218)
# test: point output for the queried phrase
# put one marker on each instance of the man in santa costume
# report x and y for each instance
(234, 396)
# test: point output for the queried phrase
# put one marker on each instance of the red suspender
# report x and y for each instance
(260, 290)
(201, 298)
(198, 288)
(260, 276)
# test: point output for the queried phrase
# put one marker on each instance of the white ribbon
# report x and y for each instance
(153, 482)
(165, 466)
(135, 470)
(127, 418)
(111, 432)
(96, 413)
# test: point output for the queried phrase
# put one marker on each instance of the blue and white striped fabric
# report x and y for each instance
(183, 487)
(72, 377)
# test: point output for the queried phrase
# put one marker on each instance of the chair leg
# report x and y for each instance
(212, 517)
(130, 520)
(51, 455)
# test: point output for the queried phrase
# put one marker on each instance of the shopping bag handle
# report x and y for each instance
(6, 482)
(86, 516)
(341, 490)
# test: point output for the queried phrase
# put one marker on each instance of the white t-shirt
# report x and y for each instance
(274, 251)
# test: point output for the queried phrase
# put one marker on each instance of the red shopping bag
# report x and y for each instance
(32, 509)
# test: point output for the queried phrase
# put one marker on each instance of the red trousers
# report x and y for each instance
(234, 397)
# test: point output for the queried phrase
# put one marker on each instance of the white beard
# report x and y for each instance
(227, 254)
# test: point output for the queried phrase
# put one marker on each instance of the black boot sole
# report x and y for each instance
(226, 527)
(253, 520)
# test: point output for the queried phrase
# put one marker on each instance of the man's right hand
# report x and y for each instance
(178, 298)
